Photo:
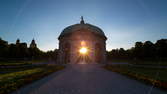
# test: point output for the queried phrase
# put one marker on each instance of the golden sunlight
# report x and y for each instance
(83, 43)
(83, 50)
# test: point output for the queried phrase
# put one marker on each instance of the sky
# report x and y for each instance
(124, 22)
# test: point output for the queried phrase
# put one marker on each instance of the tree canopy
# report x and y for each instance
(142, 51)
(20, 51)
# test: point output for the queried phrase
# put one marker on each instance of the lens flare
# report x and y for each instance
(83, 50)
(83, 43)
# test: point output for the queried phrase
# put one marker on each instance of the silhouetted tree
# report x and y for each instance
(138, 50)
(23, 50)
(148, 50)
(142, 51)
(3, 48)
(161, 48)
(20, 51)
(12, 51)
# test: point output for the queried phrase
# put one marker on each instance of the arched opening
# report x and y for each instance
(98, 53)
(67, 53)
(83, 53)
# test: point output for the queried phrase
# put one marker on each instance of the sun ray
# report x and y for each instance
(83, 50)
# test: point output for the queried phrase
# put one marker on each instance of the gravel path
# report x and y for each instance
(87, 79)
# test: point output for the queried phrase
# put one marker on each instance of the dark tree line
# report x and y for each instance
(20, 51)
(142, 51)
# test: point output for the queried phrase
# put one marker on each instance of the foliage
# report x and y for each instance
(142, 51)
(20, 51)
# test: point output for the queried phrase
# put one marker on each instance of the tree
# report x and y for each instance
(23, 50)
(3, 48)
(161, 48)
(12, 51)
(148, 50)
(138, 50)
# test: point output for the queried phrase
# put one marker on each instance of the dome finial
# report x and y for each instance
(82, 20)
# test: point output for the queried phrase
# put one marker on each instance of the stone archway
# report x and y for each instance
(67, 52)
(98, 53)
(83, 57)
(71, 39)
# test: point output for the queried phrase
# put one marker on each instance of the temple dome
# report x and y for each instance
(73, 28)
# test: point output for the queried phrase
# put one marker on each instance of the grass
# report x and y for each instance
(20, 76)
(156, 63)
(153, 76)
(9, 67)
(14, 63)
(141, 62)
(18, 63)
(15, 69)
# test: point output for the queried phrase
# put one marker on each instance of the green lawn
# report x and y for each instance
(17, 77)
(9, 67)
(14, 63)
(156, 63)
(141, 62)
(18, 63)
(156, 76)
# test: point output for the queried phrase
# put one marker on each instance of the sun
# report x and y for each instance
(83, 50)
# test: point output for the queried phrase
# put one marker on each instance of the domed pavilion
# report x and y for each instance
(82, 42)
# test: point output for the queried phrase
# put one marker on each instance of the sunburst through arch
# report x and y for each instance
(82, 39)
